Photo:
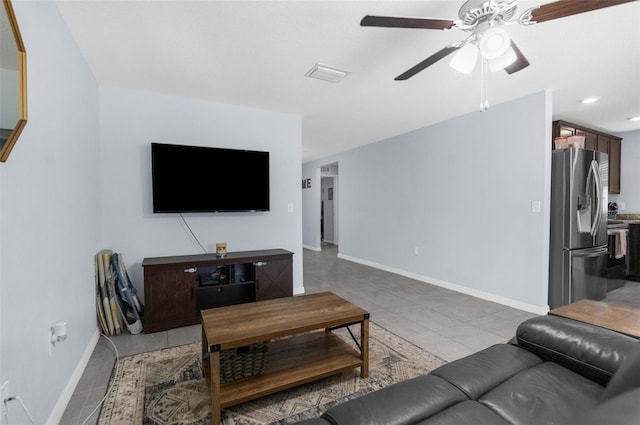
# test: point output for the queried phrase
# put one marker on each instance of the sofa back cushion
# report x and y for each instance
(403, 403)
(481, 372)
(589, 350)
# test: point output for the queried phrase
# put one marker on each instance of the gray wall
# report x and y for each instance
(130, 120)
(630, 173)
(452, 203)
(50, 220)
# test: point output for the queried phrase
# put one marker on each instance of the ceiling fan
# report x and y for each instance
(484, 19)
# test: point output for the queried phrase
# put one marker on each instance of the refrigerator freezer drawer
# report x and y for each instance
(583, 276)
(588, 274)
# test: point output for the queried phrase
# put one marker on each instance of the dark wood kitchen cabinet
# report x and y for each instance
(177, 288)
(615, 156)
(598, 141)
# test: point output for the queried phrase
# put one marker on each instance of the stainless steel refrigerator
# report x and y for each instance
(578, 243)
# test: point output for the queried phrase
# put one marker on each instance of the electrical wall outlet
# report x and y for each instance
(4, 393)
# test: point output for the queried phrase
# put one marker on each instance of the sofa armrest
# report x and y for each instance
(592, 351)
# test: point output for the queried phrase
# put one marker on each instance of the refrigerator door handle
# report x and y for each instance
(591, 252)
(598, 183)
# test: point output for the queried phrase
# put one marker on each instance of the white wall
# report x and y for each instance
(630, 173)
(130, 120)
(458, 193)
(49, 220)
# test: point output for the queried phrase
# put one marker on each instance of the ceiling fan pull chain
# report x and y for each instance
(484, 102)
(486, 84)
(481, 85)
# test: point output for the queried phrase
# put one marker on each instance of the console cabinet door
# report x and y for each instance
(274, 279)
(169, 298)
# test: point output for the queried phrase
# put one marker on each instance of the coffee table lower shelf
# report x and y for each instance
(293, 361)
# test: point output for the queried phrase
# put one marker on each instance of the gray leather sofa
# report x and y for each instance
(555, 371)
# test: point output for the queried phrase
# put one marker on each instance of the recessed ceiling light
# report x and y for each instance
(327, 73)
(590, 99)
(636, 118)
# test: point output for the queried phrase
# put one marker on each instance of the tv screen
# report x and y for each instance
(205, 179)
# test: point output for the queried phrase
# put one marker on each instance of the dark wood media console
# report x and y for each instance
(177, 288)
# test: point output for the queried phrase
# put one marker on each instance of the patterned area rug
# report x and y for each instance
(166, 387)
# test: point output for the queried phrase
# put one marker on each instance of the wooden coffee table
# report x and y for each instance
(620, 319)
(309, 352)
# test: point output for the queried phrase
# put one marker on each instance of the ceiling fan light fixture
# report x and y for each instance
(501, 62)
(494, 42)
(465, 59)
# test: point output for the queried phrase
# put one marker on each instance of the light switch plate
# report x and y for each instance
(535, 206)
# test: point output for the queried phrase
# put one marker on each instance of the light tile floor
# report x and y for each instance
(446, 323)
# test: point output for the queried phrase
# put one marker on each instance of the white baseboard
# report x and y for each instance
(312, 248)
(509, 302)
(58, 410)
(298, 290)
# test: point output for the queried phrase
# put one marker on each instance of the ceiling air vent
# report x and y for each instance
(327, 73)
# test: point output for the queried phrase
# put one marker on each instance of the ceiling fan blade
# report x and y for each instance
(520, 63)
(429, 61)
(394, 22)
(562, 8)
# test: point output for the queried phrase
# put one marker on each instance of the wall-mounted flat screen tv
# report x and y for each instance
(206, 179)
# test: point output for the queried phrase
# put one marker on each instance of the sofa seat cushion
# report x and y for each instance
(477, 374)
(407, 402)
(623, 409)
(544, 394)
(465, 413)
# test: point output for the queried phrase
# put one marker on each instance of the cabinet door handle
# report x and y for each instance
(260, 263)
(191, 270)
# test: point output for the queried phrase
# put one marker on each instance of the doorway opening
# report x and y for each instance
(329, 204)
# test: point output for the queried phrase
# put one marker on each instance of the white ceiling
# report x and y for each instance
(256, 54)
